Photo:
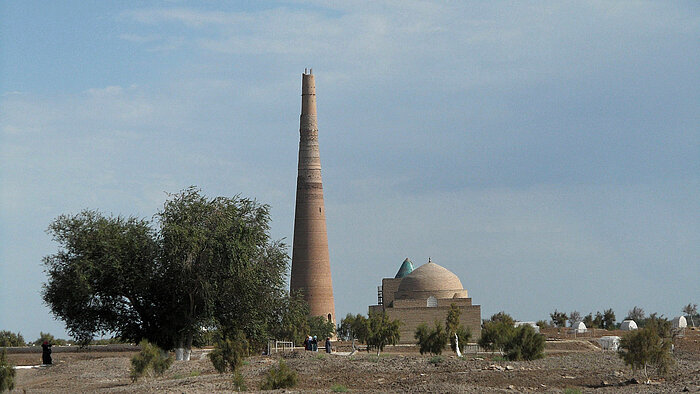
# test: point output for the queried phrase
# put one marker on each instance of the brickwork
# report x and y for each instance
(311, 270)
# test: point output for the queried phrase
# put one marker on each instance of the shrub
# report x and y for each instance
(228, 354)
(644, 347)
(495, 335)
(239, 382)
(339, 388)
(151, 360)
(10, 339)
(431, 341)
(453, 327)
(279, 377)
(7, 373)
(525, 344)
(435, 360)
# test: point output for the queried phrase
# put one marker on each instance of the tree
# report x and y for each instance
(454, 328)
(320, 327)
(202, 263)
(228, 353)
(353, 328)
(644, 347)
(636, 314)
(588, 321)
(495, 335)
(524, 344)
(502, 317)
(431, 341)
(47, 337)
(10, 339)
(558, 318)
(381, 331)
(598, 320)
(292, 318)
(7, 373)
(691, 310)
(608, 319)
(574, 317)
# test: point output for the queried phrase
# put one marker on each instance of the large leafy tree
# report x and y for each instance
(201, 263)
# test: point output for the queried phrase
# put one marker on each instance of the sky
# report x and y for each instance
(548, 153)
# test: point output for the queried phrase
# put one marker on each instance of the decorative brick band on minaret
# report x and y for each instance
(311, 268)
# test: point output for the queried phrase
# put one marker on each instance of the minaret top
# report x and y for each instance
(308, 71)
(308, 93)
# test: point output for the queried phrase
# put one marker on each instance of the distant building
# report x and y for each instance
(578, 328)
(528, 323)
(424, 295)
(628, 325)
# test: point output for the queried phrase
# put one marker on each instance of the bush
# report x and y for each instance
(431, 341)
(525, 344)
(339, 388)
(644, 347)
(279, 377)
(10, 339)
(47, 337)
(495, 335)
(239, 382)
(7, 373)
(151, 360)
(435, 360)
(228, 354)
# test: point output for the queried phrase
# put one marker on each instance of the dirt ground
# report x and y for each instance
(577, 364)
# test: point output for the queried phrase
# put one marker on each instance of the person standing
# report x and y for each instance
(46, 353)
(328, 345)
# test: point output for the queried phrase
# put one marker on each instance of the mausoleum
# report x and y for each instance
(424, 295)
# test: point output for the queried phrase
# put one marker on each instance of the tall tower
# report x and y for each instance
(311, 267)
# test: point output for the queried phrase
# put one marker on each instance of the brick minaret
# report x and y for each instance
(311, 268)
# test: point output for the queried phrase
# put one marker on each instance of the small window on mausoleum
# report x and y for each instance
(432, 302)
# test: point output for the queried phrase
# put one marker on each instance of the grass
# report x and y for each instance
(435, 360)
(499, 358)
(572, 391)
(320, 356)
(339, 388)
(194, 374)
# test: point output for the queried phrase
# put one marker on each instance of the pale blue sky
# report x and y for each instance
(546, 153)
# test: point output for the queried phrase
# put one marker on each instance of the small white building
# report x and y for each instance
(528, 323)
(628, 325)
(679, 322)
(578, 328)
(609, 342)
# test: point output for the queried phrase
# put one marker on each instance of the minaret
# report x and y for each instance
(311, 267)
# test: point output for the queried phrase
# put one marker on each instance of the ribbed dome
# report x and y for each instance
(430, 277)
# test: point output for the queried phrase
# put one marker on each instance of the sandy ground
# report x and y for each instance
(569, 364)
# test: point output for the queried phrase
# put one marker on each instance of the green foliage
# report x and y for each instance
(353, 327)
(431, 341)
(150, 361)
(201, 263)
(293, 324)
(320, 327)
(280, 377)
(239, 382)
(644, 347)
(379, 331)
(661, 325)
(608, 319)
(10, 339)
(588, 321)
(7, 373)
(558, 318)
(228, 354)
(524, 344)
(574, 317)
(503, 318)
(495, 335)
(47, 337)
(636, 314)
(108, 341)
(544, 324)
(571, 390)
(453, 327)
(435, 360)
(339, 388)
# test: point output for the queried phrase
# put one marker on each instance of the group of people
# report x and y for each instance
(311, 344)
